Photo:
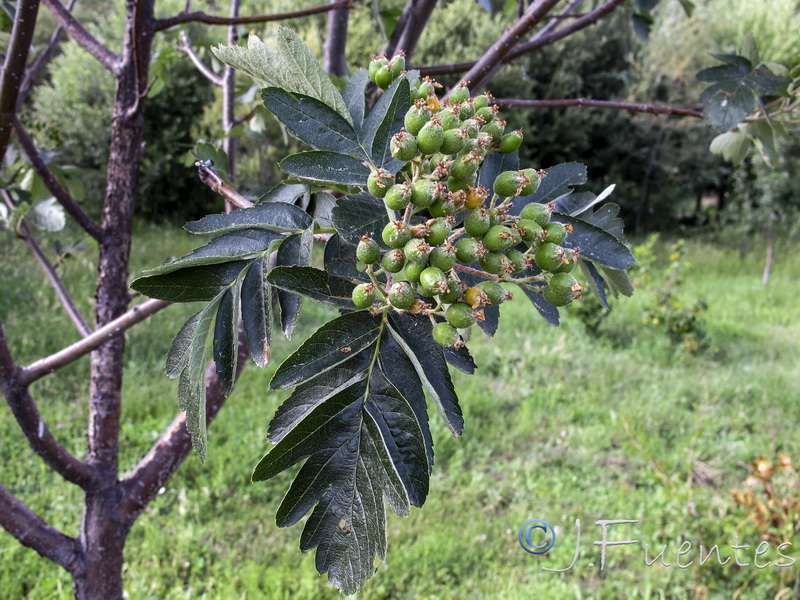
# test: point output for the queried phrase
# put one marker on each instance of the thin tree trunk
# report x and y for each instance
(103, 532)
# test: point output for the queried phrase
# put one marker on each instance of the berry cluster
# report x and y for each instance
(443, 145)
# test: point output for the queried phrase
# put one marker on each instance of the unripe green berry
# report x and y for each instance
(431, 278)
(477, 222)
(529, 231)
(517, 259)
(416, 117)
(423, 192)
(459, 93)
(379, 182)
(460, 315)
(468, 250)
(455, 184)
(401, 295)
(375, 65)
(495, 292)
(396, 234)
(468, 109)
(417, 251)
(440, 231)
(453, 141)
(473, 127)
(494, 263)
(509, 183)
(393, 261)
(482, 101)
(495, 128)
(443, 257)
(368, 251)
(398, 196)
(445, 335)
(533, 182)
(500, 237)
(452, 294)
(442, 207)
(427, 87)
(487, 113)
(548, 257)
(537, 212)
(562, 289)
(556, 232)
(568, 261)
(364, 295)
(398, 64)
(403, 146)
(450, 118)
(465, 166)
(414, 270)
(511, 142)
(431, 136)
(384, 77)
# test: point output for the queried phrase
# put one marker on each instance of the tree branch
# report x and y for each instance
(32, 73)
(52, 276)
(333, 49)
(141, 485)
(32, 531)
(555, 20)
(81, 35)
(584, 21)
(590, 18)
(210, 177)
(30, 421)
(62, 195)
(14, 68)
(201, 17)
(44, 366)
(204, 69)
(652, 109)
(479, 74)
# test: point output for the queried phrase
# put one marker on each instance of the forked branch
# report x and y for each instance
(479, 74)
(536, 42)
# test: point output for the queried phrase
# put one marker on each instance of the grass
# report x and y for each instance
(560, 426)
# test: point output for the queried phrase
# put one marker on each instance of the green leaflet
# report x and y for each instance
(596, 244)
(330, 345)
(291, 66)
(326, 167)
(312, 121)
(314, 283)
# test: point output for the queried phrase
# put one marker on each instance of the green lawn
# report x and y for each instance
(559, 426)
